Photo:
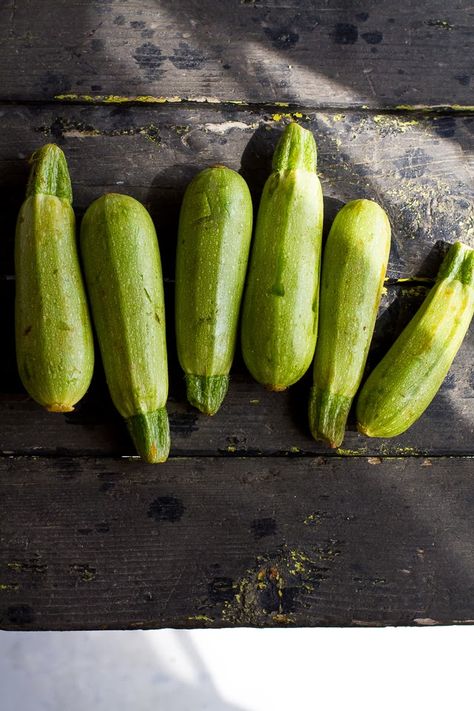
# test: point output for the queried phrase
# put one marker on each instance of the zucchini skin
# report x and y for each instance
(280, 311)
(123, 274)
(215, 228)
(406, 380)
(353, 272)
(53, 333)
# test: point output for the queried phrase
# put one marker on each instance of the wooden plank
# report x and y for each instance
(252, 420)
(419, 168)
(332, 53)
(108, 544)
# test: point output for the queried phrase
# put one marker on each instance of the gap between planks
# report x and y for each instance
(192, 103)
(339, 453)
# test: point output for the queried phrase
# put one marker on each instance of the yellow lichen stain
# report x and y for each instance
(9, 586)
(394, 124)
(200, 618)
(290, 116)
(394, 452)
(231, 448)
(254, 402)
(338, 117)
(425, 108)
(275, 573)
(298, 559)
(116, 99)
(15, 565)
(281, 104)
(442, 24)
(374, 460)
(351, 452)
(282, 619)
(311, 520)
(295, 450)
(145, 99)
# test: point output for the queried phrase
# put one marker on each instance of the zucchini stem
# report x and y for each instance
(328, 414)
(207, 392)
(150, 433)
(49, 173)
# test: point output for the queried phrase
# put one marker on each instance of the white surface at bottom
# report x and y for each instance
(238, 670)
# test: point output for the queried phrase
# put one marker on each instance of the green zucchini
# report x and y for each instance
(54, 343)
(406, 380)
(124, 280)
(280, 311)
(215, 227)
(354, 265)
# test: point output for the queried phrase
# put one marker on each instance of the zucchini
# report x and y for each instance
(123, 275)
(406, 380)
(280, 311)
(54, 343)
(354, 265)
(215, 227)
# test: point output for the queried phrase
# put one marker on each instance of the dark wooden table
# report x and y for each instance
(250, 522)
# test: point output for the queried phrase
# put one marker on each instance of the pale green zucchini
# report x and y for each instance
(280, 311)
(215, 228)
(353, 271)
(406, 380)
(124, 280)
(54, 344)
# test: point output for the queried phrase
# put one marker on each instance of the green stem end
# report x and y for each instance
(150, 433)
(458, 264)
(207, 392)
(328, 415)
(49, 173)
(296, 150)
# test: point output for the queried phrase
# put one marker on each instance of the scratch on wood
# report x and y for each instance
(221, 128)
(425, 621)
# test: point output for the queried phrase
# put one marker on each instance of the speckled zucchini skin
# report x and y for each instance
(353, 272)
(215, 229)
(54, 344)
(124, 280)
(406, 380)
(280, 311)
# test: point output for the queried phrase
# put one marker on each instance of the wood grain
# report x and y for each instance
(110, 544)
(363, 53)
(250, 523)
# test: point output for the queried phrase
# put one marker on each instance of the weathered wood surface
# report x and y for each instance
(419, 168)
(93, 544)
(315, 54)
(250, 522)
